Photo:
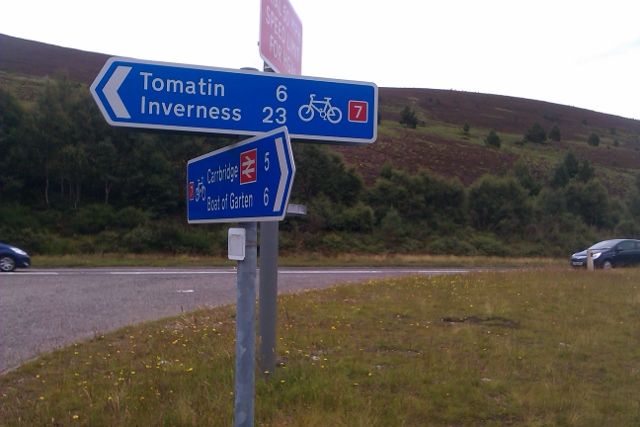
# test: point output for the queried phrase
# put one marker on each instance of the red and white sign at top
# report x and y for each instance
(281, 37)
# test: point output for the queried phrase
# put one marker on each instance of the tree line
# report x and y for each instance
(71, 183)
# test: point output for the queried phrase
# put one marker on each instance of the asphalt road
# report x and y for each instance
(41, 310)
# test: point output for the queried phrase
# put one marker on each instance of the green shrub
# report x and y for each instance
(287, 243)
(197, 241)
(51, 219)
(87, 244)
(167, 237)
(138, 240)
(39, 241)
(409, 118)
(333, 244)
(47, 243)
(628, 228)
(554, 134)
(173, 238)
(26, 238)
(392, 228)
(92, 219)
(551, 202)
(321, 172)
(450, 246)
(319, 213)
(130, 218)
(526, 177)
(418, 198)
(14, 216)
(489, 245)
(498, 205)
(108, 241)
(536, 133)
(563, 233)
(493, 140)
(357, 218)
(588, 200)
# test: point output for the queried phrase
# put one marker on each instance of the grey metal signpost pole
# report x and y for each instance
(246, 330)
(268, 294)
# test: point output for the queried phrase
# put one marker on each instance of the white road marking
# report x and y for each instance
(390, 271)
(157, 273)
(33, 273)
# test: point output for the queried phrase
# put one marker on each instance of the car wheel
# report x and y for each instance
(607, 265)
(7, 264)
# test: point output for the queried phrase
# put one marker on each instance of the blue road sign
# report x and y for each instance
(153, 95)
(247, 181)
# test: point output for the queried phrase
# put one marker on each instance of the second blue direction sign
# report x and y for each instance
(247, 181)
(155, 95)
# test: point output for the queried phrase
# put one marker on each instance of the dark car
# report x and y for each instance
(610, 253)
(12, 258)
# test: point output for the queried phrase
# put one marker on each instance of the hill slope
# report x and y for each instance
(438, 144)
(31, 58)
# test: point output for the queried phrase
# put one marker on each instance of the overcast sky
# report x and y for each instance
(580, 53)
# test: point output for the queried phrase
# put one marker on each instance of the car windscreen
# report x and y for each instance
(604, 245)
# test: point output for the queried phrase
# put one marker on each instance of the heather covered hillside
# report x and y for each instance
(451, 172)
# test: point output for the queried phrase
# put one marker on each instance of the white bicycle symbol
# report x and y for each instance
(324, 108)
(201, 190)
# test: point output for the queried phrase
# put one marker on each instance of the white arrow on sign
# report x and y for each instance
(111, 92)
(282, 160)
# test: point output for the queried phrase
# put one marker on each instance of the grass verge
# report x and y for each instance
(304, 260)
(546, 347)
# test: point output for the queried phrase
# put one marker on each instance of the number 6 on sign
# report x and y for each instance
(281, 93)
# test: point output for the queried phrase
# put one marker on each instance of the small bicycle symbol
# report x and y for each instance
(201, 190)
(324, 108)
